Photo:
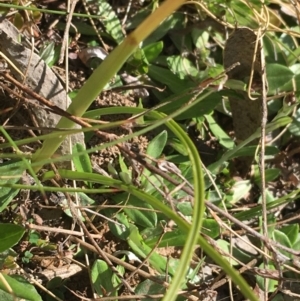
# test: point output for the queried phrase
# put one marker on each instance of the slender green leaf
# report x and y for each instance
(125, 177)
(81, 159)
(220, 135)
(270, 175)
(174, 238)
(157, 144)
(21, 288)
(141, 249)
(10, 173)
(145, 218)
(166, 77)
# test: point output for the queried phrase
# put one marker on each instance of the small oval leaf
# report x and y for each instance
(10, 235)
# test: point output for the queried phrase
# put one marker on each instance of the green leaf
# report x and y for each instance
(141, 249)
(293, 56)
(34, 237)
(272, 284)
(122, 165)
(185, 208)
(125, 177)
(295, 69)
(237, 253)
(58, 292)
(278, 76)
(166, 77)
(138, 61)
(21, 288)
(174, 21)
(101, 276)
(145, 218)
(157, 145)
(83, 28)
(120, 229)
(285, 110)
(270, 175)
(10, 235)
(81, 159)
(242, 12)
(250, 151)
(54, 283)
(284, 240)
(180, 40)
(152, 51)
(110, 20)
(296, 244)
(215, 167)
(7, 259)
(182, 67)
(6, 296)
(200, 39)
(235, 84)
(294, 128)
(221, 136)
(178, 146)
(49, 53)
(13, 171)
(174, 238)
(139, 16)
(115, 280)
(291, 231)
(211, 228)
(269, 195)
(149, 287)
(112, 171)
(83, 200)
(239, 190)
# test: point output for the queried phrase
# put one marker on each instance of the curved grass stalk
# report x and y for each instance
(86, 96)
(192, 230)
(102, 75)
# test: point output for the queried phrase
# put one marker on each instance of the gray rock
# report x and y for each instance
(40, 78)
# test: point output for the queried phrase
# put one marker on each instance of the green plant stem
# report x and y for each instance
(181, 223)
(101, 76)
(86, 96)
